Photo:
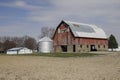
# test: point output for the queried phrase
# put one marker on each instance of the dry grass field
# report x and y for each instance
(102, 67)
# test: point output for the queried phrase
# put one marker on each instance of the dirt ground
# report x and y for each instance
(103, 67)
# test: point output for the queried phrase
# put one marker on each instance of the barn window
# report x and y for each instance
(104, 46)
(87, 46)
(68, 30)
(80, 46)
(58, 30)
(98, 46)
(62, 31)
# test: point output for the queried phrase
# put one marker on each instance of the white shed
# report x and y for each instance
(45, 45)
(19, 50)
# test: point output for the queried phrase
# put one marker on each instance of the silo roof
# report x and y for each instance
(86, 30)
(45, 39)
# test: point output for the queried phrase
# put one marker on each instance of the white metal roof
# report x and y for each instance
(86, 30)
(46, 39)
(17, 48)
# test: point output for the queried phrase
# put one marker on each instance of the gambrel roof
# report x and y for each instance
(85, 30)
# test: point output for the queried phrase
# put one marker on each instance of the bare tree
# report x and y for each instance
(1, 45)
(19, 41)
(3, 39)
(47, 31)
(30, 43)
(24, 41)
(8, 44)
(1, 48)
(51, 32)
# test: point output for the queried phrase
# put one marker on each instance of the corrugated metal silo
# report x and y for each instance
(45, 45)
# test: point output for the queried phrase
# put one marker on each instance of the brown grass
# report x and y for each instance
(102, 67)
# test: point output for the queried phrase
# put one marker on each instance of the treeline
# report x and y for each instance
(11, 42)
(8, 42)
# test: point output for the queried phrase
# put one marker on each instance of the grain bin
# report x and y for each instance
(45, 45)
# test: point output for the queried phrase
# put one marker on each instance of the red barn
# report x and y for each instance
(79, 37)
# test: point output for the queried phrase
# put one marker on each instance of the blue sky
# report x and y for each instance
(26, 17)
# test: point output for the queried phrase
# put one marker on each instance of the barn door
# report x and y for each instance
(93, 48)
(64, 48)
(74, 48)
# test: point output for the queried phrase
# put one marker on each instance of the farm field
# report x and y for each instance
(99, 67)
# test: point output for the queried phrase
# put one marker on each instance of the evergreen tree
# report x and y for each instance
(112, 43)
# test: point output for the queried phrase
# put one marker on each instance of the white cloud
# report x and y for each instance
(19, 29)
(105, 13)
(73, 8)
(21, 4)
(85, 3)
(64, 9)
(100, 12)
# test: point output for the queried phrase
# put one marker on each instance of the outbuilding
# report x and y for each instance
(45, 45)
(19, 50)
(79, 37)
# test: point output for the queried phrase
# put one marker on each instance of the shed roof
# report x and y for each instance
(86, 30)
(46, 39)
(17, 48)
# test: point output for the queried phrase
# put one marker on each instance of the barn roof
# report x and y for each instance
(86, 30)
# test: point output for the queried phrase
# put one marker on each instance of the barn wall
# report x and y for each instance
(65, 37)
(84, 44)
